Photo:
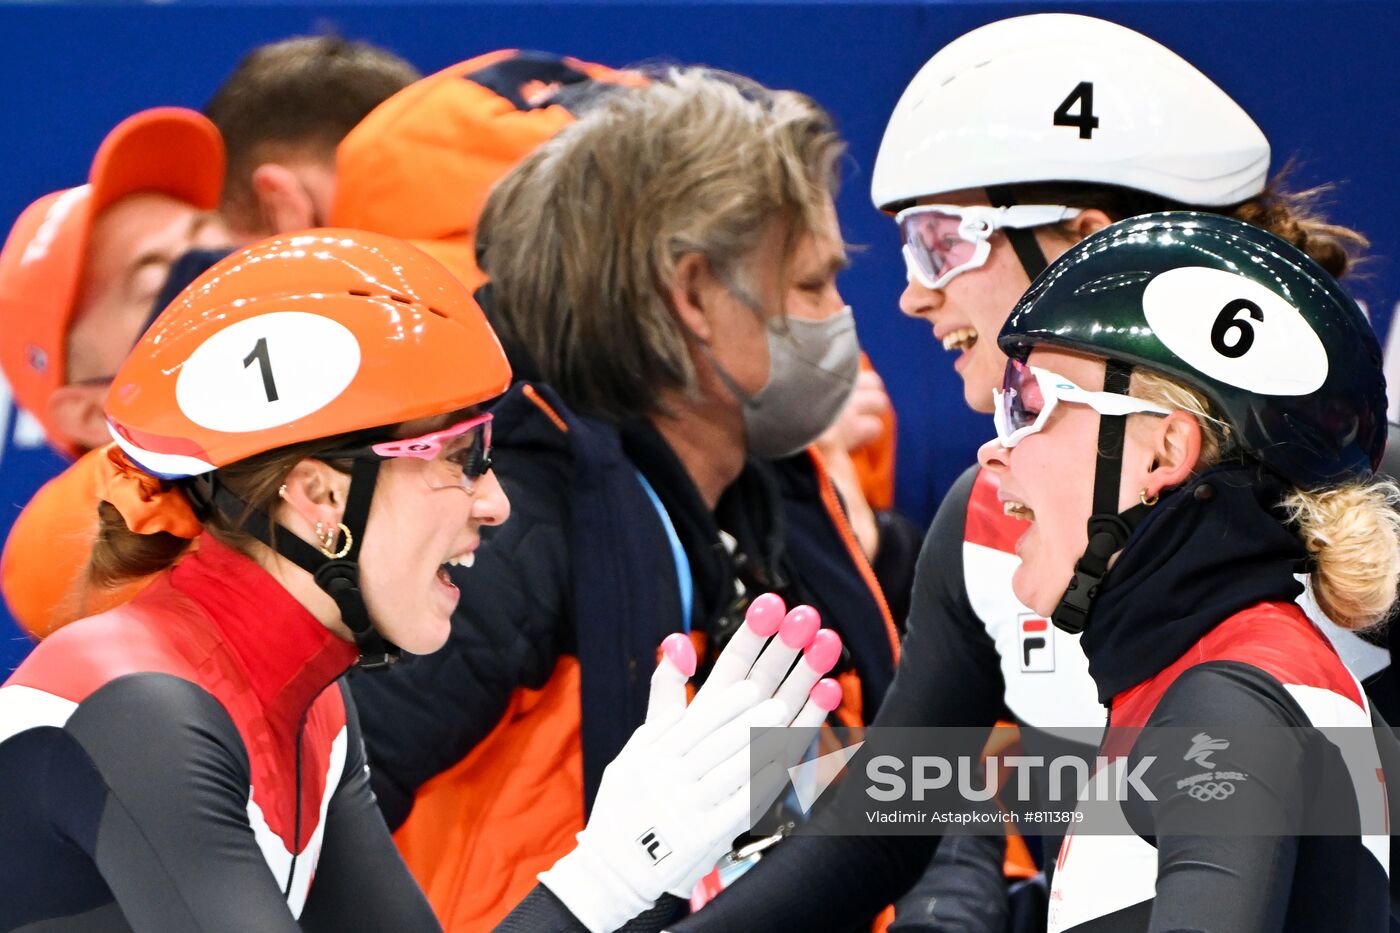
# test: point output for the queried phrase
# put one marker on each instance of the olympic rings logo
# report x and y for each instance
(1211, 790)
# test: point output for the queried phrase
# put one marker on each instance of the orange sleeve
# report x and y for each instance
(43, 569)
(874, 462)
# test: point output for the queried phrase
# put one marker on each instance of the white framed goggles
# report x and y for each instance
(942, 241)
(1028, 395)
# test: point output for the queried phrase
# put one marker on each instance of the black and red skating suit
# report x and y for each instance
(1196, 632)
(1263, 668)
(968, 656)
(190, 762)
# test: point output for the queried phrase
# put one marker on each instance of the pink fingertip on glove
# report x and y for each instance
(681, 651)
(765, 614)
(822, 653)
(799, 627)
(826, 694)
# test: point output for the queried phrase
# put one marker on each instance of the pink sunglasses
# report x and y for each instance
(466, 445)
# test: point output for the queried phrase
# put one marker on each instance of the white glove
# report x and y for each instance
(807, 700)
(674, 798)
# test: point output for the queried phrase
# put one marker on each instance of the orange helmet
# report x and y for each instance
(300, 337)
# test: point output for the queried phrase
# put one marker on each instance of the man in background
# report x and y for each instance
(282, 112)
(85, 270)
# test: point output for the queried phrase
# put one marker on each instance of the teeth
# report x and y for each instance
(1018, 510)
(463, 560)
(961, 339)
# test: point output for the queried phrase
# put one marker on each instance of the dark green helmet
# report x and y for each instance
(1272, 340)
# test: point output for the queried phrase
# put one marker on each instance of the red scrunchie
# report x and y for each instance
(147, 504)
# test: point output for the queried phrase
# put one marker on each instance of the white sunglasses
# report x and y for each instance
(1029, 394)
(941, 241)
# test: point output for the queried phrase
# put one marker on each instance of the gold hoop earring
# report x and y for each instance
(328, 540)
(1142, 497)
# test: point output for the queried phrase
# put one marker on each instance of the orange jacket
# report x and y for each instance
(874, 462)
(481, 831)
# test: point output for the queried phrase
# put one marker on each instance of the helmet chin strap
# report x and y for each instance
(1022, 239)
(1109, 529)
(339, 577)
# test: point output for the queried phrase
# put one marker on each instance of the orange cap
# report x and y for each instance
(300, 337)
(420, 166)
(169, 150)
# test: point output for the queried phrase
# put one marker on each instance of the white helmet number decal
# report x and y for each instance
(267, 371)
(1235, 330)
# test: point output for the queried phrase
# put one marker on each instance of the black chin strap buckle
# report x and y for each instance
(338, 577)
(1072, 614)
(1108, 528)
(377, 660)
(341, 580)
(1107, 535)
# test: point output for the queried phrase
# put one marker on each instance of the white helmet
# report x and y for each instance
(1060, 97)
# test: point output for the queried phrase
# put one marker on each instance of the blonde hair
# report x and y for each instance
(581, 240)
(1352, 531)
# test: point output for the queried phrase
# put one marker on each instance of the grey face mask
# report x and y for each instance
(812, 369)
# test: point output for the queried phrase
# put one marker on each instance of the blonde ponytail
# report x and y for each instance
(1353, 535)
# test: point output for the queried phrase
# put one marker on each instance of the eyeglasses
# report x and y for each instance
(941, 241)
(459, 455)
(1029, 394)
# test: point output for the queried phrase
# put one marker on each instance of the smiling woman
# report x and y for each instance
(311, 500)
(309, 413)
(1224, 459)
(1046, 128)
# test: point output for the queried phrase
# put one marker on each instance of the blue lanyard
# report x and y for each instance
(683, 579)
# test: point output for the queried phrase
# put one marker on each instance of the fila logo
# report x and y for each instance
(655, 848)
(1037, 644)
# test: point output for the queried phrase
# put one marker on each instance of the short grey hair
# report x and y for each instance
(581, 240)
